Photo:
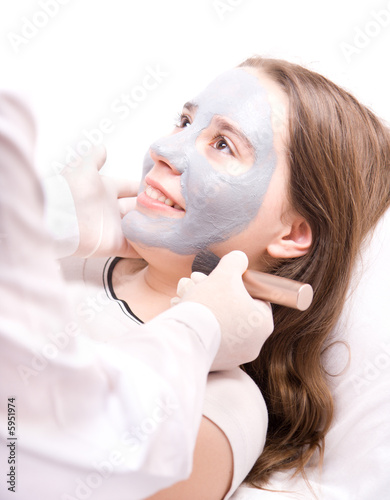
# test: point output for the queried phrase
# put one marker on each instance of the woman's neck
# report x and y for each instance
(160, 282)
(148, 291)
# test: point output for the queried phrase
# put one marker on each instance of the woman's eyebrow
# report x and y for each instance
(190, 106)
(225, 125)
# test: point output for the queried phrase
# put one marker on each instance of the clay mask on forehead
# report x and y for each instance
(218, 204)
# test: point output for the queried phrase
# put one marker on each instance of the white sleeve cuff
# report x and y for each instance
(201, 320)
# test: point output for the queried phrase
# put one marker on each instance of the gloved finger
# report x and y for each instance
(233, 262)
(126, 188)
(198, 277)
(175, 301)
(126, 205)
(184, 285)
(93, 160)
(262, 317)
(96, 157)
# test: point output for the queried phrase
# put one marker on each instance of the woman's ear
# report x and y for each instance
(294, 241)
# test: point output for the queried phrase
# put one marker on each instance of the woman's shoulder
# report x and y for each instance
(235, 382)
(235, 394)
(235, 404)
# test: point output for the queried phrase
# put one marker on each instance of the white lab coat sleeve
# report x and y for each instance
(117, 421)
(60, 215)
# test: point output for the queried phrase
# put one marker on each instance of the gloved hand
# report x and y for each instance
(100, 203)
(245, 323)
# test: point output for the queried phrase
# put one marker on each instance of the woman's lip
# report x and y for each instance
(158, 186)
(145, 201)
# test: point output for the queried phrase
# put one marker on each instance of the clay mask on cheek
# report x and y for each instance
(218, 205)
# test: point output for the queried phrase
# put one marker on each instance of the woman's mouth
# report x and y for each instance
(158, 195)
(155, 200)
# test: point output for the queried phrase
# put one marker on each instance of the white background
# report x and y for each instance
(90, 52)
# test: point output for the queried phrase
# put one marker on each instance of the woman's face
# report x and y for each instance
(203, 186)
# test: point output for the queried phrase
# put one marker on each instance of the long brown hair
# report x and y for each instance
(339, 156)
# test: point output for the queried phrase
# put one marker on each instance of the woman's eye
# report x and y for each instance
(183, 121)
(221, 144)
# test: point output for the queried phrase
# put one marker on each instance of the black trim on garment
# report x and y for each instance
(111, 288)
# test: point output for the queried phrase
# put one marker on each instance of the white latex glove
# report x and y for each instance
(100, 203)
(245, 323)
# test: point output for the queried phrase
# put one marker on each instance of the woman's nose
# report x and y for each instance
(170, 152)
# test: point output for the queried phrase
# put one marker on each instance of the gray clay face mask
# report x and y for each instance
(219, 204)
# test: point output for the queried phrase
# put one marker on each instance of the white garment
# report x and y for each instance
(357, 447)
(117, 417)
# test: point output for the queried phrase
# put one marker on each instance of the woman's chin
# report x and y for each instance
(161, 256)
